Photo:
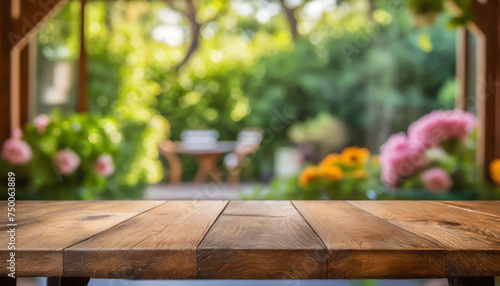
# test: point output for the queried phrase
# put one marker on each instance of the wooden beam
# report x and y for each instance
(82, 102)
(33, 13)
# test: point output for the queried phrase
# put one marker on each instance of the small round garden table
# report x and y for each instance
(208, 160)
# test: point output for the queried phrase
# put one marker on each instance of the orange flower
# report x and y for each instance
(354, 156)
(359, 174)
(308, 175)
(330, 160)
(332, 173)
(376, 160)
(495, 171)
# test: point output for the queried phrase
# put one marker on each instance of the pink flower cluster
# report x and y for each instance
(441, 125)
(16, 151)
(437, 180)
(104, 165)
(66, 161)
(401, 156)
(41, 122)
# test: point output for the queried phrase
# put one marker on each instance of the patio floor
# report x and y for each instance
(208, 191)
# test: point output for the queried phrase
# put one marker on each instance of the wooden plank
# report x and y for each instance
(158, 244)
(472, 240)
(261, 240)
(484, 207)
(44, 229)
(363, 246)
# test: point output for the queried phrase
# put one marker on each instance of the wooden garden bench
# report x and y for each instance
(72, 241)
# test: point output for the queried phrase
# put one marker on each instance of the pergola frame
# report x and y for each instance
(20, 19)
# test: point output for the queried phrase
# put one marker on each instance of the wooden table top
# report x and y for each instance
(221, 148)
(255, 239)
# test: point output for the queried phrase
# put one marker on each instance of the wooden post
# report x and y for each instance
(487, 87)
(472, 281)
(5, 27)
(25, 87)
(19, 21)
(462, 69)
(83, 73)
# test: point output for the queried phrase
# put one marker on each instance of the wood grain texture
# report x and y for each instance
(471, 239)
(261, 240)
(361, 245)
(158, 244)
(44, 229)
(485, 207)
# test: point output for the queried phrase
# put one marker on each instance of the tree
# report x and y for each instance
(290, 15)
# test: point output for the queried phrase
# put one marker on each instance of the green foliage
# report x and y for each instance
(121, 85)
(369, 71)
(375, 79)
(430, 8)
(426, 6)
(324, 132)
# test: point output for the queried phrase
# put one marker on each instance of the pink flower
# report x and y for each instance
(400, 158)
(67, 161)
(16, 151)
(104, 165)
(41, 122)
(440, 125)
(437, 180)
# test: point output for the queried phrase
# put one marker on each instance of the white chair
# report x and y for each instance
(248, 142)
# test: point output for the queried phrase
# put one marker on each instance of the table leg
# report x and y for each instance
(8, 281)
(234, 176)
(472, 281)
(67, 281)
(167, 150)
(208, 166)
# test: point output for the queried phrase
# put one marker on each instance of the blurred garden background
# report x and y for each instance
(316, 76)
(350, 99)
